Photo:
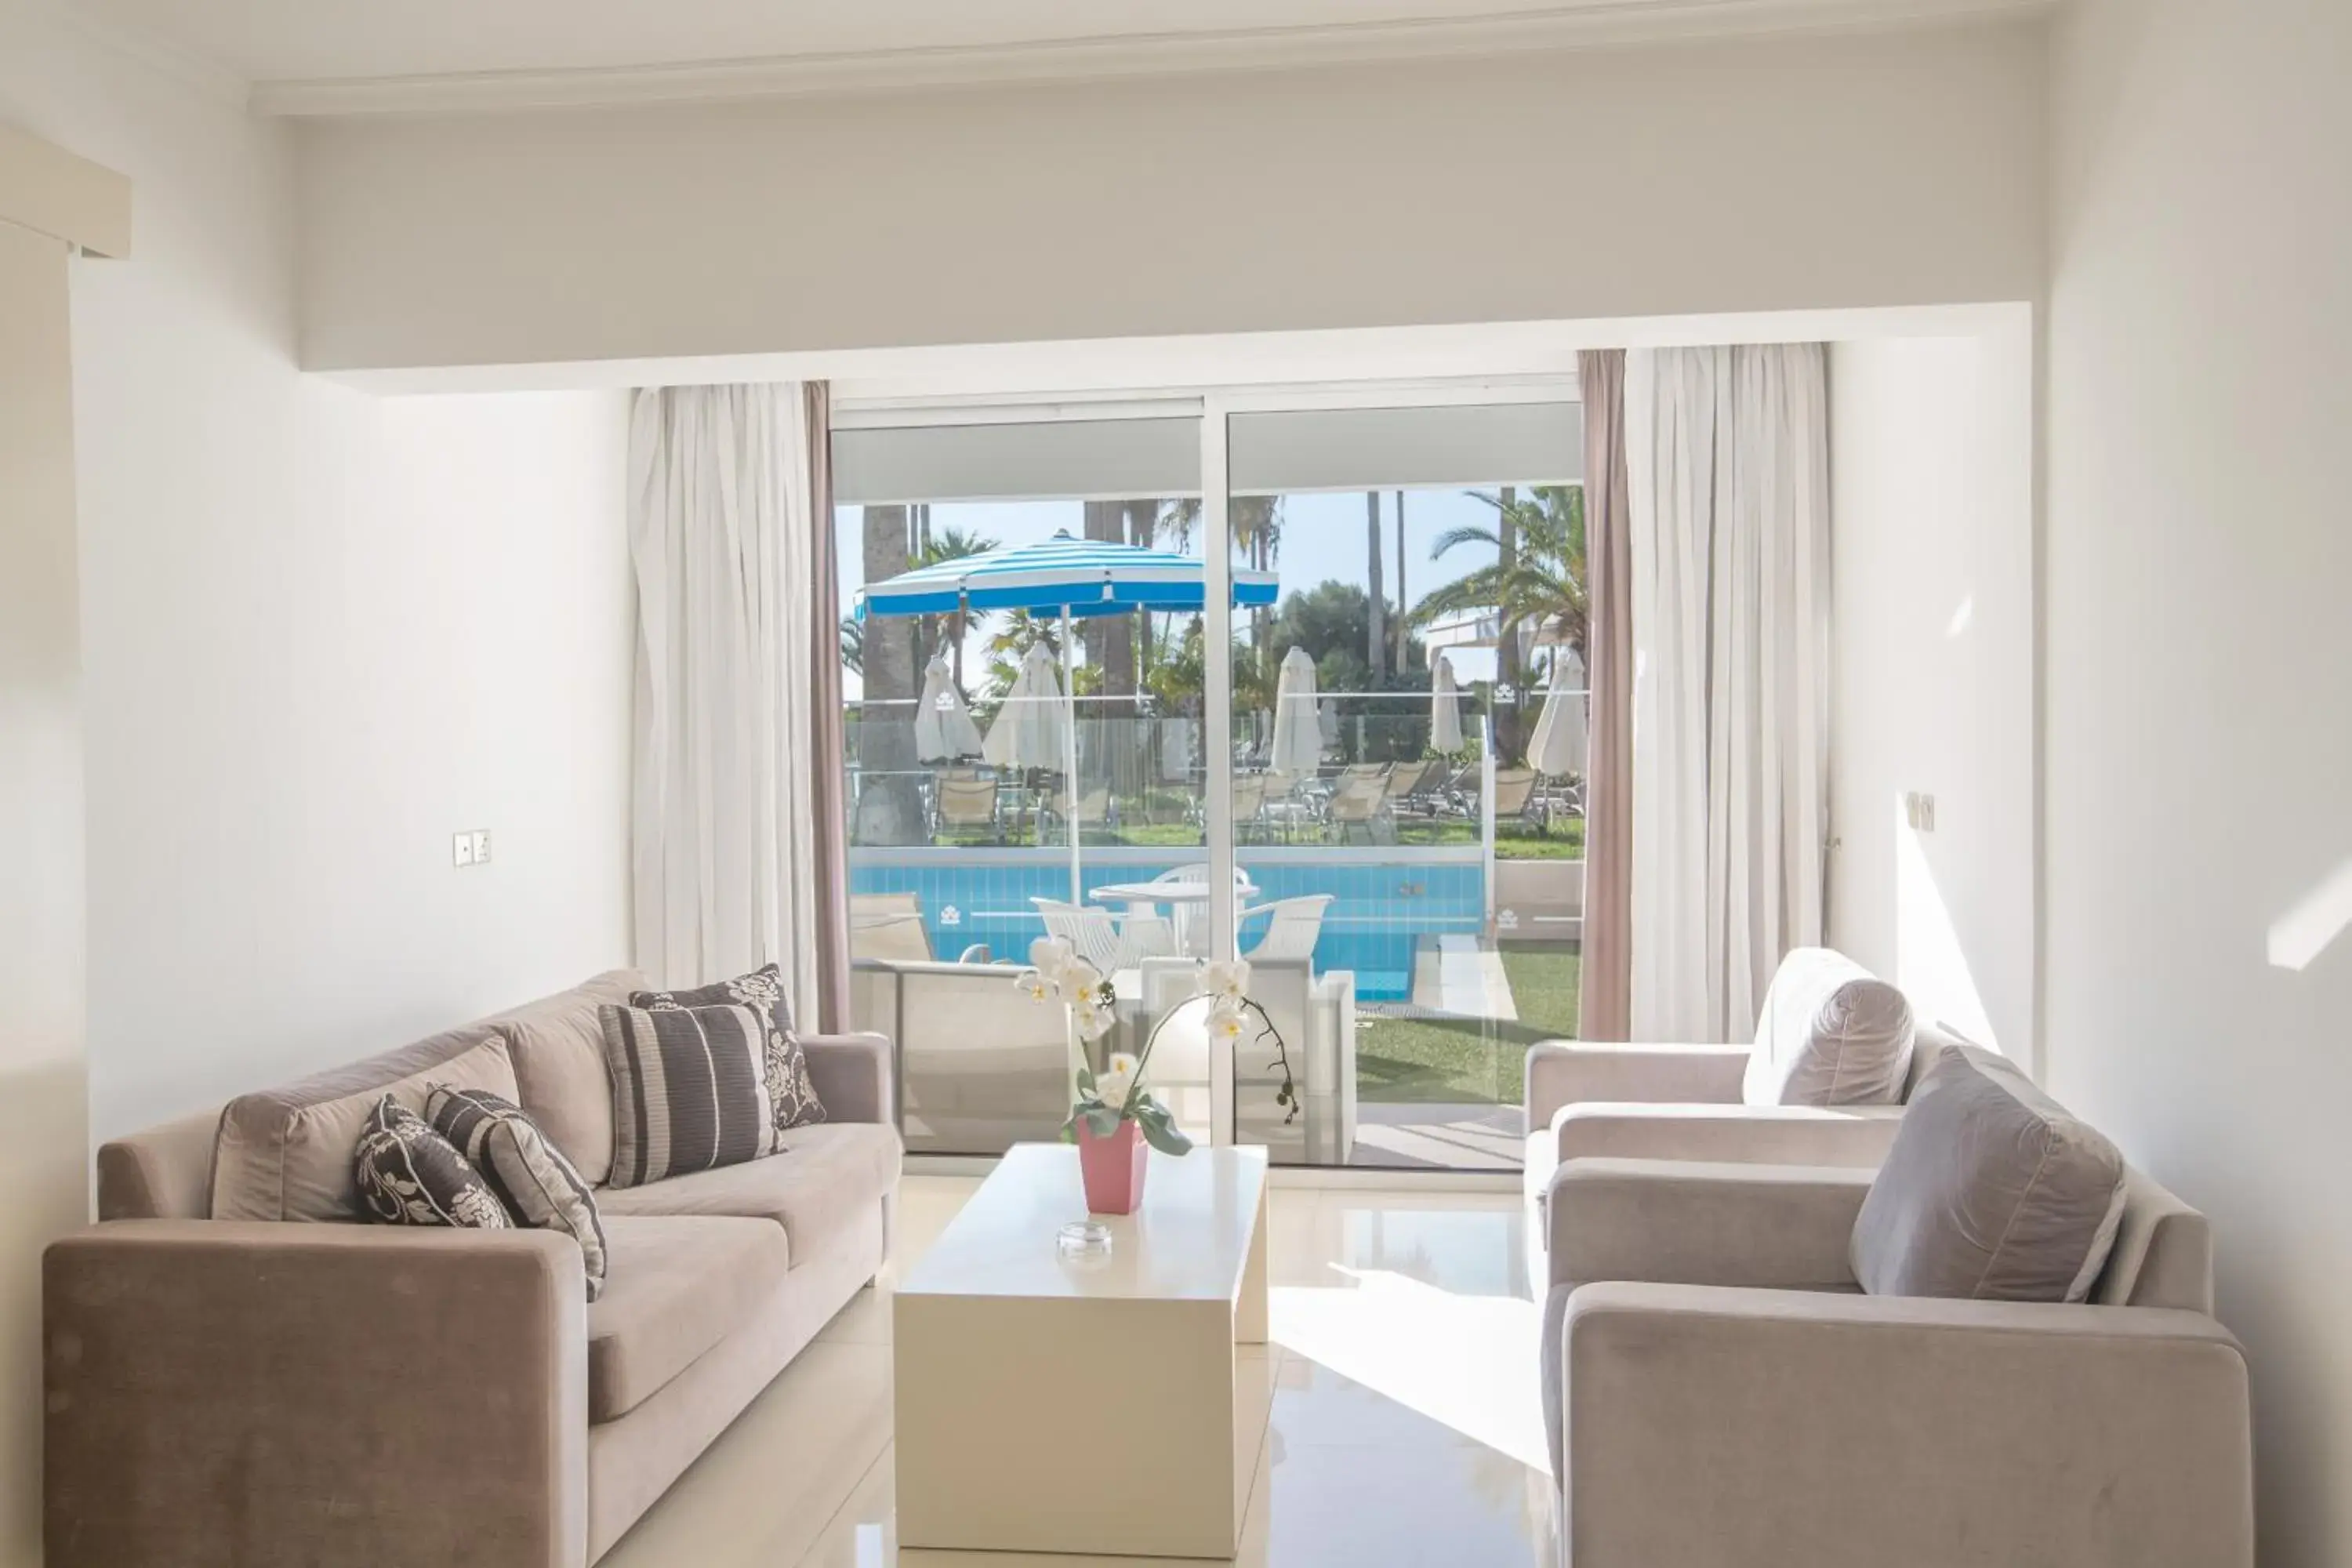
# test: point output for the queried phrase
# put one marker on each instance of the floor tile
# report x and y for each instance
(1394, 1423)
(758, 1496)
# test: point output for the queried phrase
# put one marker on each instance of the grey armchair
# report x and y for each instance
(1719, 1393)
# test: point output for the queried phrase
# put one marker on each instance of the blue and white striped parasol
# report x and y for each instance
(1072, 578)
(1061, 576)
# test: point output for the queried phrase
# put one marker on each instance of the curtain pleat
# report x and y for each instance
(1727, 464)
(1605, 1001)
(728, 538)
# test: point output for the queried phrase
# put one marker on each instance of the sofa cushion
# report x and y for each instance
(286, 1153)
(532, 1177)
(689, 1090)
(791, 1091)
(558, 1063)
(676, 1286)
(409, 1173)
(826, 1178)
(1991, 1191)
(1830, 1033)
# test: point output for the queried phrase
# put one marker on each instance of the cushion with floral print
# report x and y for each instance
(790, 1089)
(409, 1175)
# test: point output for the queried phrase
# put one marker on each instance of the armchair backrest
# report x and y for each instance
(2163, 1255)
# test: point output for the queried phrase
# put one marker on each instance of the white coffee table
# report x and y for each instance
(1049, 1405)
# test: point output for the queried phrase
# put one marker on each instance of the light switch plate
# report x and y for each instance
(461, 849)
(481, 847)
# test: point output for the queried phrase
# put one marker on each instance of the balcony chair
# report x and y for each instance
(1516, 799)
(963, 799)
(890, 926)
(1115, 947)
(980, 1065)
(1358, 802)
(1291, 933)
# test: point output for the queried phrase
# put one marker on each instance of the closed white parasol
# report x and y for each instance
(943, 727)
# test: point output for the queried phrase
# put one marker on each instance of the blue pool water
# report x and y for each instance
(1381, 907)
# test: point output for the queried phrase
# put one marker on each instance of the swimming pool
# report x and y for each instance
(1384, 901)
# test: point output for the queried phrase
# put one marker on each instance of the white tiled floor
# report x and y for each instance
(1405, 1427)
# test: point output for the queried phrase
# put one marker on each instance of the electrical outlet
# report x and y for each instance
(461, 849)
(1919, 810)
(481, 847)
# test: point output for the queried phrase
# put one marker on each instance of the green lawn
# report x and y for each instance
(1472, 1061)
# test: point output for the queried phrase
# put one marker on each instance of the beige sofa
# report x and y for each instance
(266, 1393)
(1718, 1393)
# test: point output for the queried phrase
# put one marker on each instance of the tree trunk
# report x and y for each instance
(1507, 726)
(1110, 641)
(890, 807)
(1404, 599)
(1377, 652)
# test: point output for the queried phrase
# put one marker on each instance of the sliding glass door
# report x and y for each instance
(1349, 778)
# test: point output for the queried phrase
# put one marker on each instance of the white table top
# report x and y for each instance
(1190, 1242)
(1165, 892)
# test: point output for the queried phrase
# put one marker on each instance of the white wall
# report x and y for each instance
(321, 631)
(2198, 739)
(1833, 170)
(1931, 481)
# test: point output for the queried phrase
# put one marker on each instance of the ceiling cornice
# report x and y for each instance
(206, 76)
(1611, 23)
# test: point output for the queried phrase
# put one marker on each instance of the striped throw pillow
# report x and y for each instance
(689, 1090)
(529, 1173)
(790, 1086)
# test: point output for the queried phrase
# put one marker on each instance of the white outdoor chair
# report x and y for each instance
(1290, 936)
(1115, 948)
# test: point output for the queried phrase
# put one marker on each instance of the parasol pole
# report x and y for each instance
(1070, 745)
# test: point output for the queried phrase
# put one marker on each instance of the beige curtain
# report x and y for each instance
(829, 926)
(1605, 1002)
(737, 824)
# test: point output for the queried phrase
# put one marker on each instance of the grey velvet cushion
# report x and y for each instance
(1991, 1191)
(1830, 1033)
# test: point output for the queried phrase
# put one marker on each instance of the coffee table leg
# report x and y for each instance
(1249, 1311)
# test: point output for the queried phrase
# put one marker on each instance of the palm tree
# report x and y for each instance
(1540, 583)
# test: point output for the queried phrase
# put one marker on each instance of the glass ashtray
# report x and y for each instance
(1084, 1239)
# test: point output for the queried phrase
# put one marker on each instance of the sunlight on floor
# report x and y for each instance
(1397, 1405)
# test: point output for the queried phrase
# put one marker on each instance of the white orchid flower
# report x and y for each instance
(1226, 979)
(1079, 978)
(1050, 955)
(1227, 1023)
(1033, 985)
(1116, 1081)
(1092, 1019)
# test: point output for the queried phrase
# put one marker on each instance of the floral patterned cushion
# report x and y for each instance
(409, 1175)
(790, 1089)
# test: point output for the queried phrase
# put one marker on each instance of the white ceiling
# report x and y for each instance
(308, 56)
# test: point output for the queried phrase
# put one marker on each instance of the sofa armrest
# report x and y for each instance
(1562, 1072)
(1712, 1427)
(1679, 1222)
(852, 1074)
(291, 1394)
(1856, 1135)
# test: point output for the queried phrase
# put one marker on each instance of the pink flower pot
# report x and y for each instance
(1112, 1168)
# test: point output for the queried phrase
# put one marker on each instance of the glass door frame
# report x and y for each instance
(1214, 408)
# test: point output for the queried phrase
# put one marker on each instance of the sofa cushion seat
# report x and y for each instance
(826, 1178)
(675, 1286)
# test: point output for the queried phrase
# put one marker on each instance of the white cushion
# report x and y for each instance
(1830, 1033)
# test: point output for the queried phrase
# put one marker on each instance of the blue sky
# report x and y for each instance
(1322, 541)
